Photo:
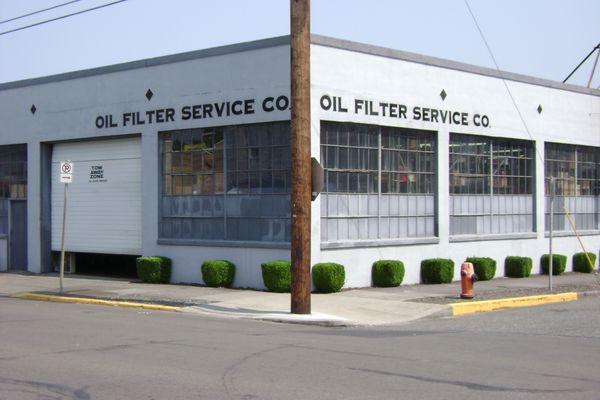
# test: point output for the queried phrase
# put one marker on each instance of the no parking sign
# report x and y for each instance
(66, 172)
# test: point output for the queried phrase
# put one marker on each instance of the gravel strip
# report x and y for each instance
(506, 293)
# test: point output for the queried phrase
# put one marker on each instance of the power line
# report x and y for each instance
(582, 61)
(61, 17)
(39, 11)
(527, 129)
(503, 80)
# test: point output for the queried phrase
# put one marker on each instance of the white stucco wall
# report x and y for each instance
(67, 110)
(567, 117)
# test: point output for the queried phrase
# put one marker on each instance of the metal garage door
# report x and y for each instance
(104, 204)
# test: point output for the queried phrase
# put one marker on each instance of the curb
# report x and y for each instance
(589, 293)
(87, 300)
(288, 318)
(514, 302)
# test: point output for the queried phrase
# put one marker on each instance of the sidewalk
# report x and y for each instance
(367, 306)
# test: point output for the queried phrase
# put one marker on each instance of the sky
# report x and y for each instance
(541, 38)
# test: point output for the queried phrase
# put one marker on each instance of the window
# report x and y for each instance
(576, 173)
(13, 179)
(228, 183)
(491, 185)
(379, 182)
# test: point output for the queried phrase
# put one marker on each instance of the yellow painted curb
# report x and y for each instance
(490, 305)
(86, 300)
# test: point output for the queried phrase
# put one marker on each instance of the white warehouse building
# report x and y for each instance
(188, 156)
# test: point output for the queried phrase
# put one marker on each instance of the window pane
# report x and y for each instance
(193, 165)
(484, 171)
(575, 172)
(352, 171)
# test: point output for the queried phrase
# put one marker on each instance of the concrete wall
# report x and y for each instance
(67, 108)
(566, 117)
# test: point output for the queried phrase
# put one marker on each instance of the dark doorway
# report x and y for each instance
(105, 265)
(18, 235)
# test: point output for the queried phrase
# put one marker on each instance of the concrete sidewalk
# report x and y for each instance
(367, 306)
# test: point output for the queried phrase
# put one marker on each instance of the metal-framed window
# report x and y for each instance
(491, 185)
(227, 183)
(13, 179)
(192, 162)
(379, 182)
(576, 173)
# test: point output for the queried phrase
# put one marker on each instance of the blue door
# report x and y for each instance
(18, 235)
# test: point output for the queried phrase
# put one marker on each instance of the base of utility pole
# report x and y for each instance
(300, 155)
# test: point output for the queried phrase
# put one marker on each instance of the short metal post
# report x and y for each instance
(551, 261)
(62, 244)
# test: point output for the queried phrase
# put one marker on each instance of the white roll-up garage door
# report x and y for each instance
(104, 200)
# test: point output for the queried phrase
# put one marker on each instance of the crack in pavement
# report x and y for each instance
(227, 377)
(108, 348)
(574, 378)
(355, 353)
(42, 389)
(467, 385)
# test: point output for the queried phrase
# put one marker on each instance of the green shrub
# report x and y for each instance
(387, 273)
(154, 269)
(581, 263)
(558, 265)
(328, 277)
(518, 267)
(485, 267)
(277, 276)
(218, 273)
(437, 270)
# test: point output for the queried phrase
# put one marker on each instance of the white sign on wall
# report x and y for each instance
(66, 172)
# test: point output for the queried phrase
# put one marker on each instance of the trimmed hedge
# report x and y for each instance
(581, 263)
(153, 269)
(485, 267)
(437, 270)
(218, 273)
(518, 267)
(277, 276)
(558, 265)
(328, 277)
(387, 273)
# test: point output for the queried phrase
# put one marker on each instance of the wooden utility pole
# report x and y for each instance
(301, 162)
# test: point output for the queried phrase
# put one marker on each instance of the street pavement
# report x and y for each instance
(353, 307)
(76, 351)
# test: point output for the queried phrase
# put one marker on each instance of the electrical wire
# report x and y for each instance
(582, 61)
(40, 11)
(503, 79)
(61, 17)
(513, 99)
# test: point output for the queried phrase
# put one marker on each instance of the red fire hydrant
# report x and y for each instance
(467, 279)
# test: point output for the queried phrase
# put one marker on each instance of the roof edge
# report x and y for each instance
(151, 62)
(319, 40)
(443, 63)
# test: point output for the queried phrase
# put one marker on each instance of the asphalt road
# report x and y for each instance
(71, 351)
